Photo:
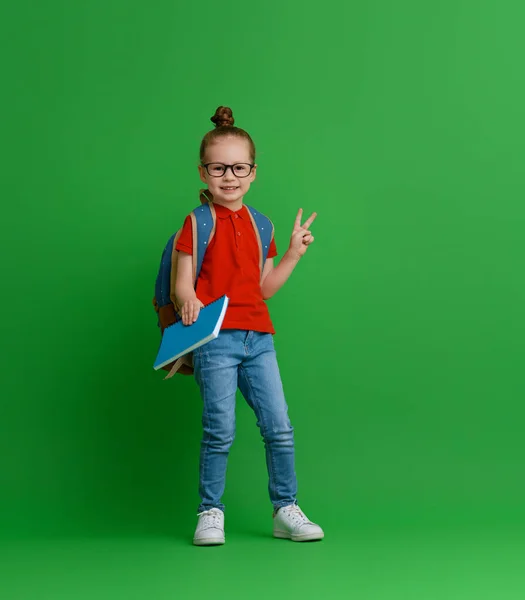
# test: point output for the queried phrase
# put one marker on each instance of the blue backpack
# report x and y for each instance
(204, 222)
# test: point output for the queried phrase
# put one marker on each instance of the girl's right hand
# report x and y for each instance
(190, 311)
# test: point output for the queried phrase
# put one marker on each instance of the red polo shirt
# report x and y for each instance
(231, 267)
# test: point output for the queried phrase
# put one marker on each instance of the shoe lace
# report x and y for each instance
(297, 515)
(210, 518)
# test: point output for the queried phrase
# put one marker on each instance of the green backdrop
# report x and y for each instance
(400, 335)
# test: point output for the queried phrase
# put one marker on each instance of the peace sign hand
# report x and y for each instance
(301, 236)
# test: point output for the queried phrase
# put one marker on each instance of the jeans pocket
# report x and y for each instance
(265, 341)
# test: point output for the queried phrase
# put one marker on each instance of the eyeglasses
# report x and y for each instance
(219, 169)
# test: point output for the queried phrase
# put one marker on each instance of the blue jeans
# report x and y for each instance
(244, 360)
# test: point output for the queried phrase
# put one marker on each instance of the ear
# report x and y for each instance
(253, 174)
(203, 173)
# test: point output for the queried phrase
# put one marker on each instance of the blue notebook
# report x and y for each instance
(179, 339)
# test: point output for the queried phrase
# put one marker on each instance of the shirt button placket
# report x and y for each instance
(237, 232)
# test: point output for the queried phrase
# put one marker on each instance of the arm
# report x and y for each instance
(184, 290)
(273, 278)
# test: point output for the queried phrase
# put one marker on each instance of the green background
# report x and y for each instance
(400, 335)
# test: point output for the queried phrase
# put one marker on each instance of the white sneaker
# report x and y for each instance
(210, 528)
(291, 523)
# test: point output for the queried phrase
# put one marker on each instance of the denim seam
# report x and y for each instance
(206, 435)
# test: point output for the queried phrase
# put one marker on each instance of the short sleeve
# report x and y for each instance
(272, 251)
(185, 242)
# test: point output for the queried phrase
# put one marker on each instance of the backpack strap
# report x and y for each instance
(201, 218)
(264, 232)
(179, 364)
(203, 221)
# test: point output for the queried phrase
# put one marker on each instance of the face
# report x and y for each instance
(229, 189)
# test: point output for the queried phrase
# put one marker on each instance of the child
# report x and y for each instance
(243, 355)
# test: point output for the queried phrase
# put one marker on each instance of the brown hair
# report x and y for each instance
(223, 119)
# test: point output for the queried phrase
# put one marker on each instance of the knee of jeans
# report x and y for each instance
(278, 430)
(223, 435)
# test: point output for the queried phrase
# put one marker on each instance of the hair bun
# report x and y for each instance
(223, 117)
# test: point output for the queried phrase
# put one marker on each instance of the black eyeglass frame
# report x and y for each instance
(226, 167)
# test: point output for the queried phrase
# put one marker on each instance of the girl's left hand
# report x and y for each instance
(301, 236)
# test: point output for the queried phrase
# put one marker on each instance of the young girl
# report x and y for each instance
(243, 356)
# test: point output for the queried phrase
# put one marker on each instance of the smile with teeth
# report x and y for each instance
(229, 188)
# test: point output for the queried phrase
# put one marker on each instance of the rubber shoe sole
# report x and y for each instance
(306, 537)
(208, 542)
